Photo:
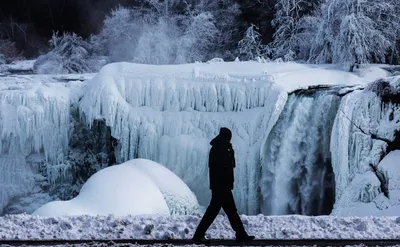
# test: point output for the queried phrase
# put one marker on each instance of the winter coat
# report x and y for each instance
(221, 162)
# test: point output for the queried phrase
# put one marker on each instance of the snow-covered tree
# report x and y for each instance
(250, 47)
(198, 40)
(352, 32)
(120, 34)
(290, 39)
(158, 43)
(69, 54)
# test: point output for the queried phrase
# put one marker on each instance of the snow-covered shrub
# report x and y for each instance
(250, 47)
(69, 54)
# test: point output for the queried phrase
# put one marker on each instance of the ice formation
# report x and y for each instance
(363, 127)
(34, 118)
(136, 187)
(296, 166)
(169, 114)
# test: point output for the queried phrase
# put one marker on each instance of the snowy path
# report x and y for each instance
(20, 227)
(131, 242)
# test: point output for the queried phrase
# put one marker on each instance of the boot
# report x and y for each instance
(244, 238)
(200, 240)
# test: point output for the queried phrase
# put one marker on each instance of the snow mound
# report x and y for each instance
(179, 198)
(136, 187)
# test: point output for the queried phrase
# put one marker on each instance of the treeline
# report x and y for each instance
(347, 32)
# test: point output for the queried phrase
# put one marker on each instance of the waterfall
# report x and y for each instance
(296, 173)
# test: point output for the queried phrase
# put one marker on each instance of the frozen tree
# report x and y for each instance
(250, 47)
(158, 43)
(198, 39)
(353, 32)
(69, 54)
(172, 31)
(120, 34)
(226, 18)
(290, 39)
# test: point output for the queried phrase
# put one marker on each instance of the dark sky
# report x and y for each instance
(80, 16)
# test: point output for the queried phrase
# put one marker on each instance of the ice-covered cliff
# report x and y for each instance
(297, 150)
(170, 113)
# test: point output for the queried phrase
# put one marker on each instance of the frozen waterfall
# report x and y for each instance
(34, 118)
(299, 149)
(157, 117)
(296, 170)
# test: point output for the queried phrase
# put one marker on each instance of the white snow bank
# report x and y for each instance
(136, 187)
(183, 227)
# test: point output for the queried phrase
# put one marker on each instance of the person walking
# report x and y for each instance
(221, 165)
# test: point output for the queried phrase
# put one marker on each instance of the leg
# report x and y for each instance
(231, 211)
(208, 218)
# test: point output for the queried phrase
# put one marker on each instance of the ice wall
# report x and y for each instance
(364, 128)
(169, 115)
(296, 163)
(34, 126)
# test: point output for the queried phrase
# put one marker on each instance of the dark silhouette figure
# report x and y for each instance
(221, 165)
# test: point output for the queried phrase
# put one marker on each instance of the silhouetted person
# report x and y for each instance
(221, 164)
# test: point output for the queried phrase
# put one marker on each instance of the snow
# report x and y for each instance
(179, 198)
(136, 187)
(23, 66)
(182, 227)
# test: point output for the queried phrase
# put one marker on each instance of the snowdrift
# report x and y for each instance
(136, 187)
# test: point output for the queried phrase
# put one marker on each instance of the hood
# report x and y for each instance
(224, 137)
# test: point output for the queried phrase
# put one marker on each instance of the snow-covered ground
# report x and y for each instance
(182, 227)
